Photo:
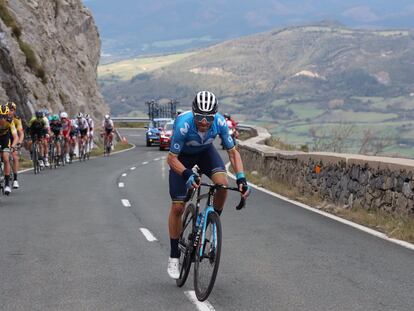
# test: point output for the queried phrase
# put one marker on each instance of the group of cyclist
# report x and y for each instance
(61, 131)
(47, 129)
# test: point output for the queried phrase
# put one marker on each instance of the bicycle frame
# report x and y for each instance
(201, 230)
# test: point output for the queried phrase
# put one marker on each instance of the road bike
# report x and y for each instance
(200, 240)
(2, 177)
(36, 155)
(107, 145)
(82, 150)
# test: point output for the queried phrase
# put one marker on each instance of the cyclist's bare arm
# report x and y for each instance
(235, 160)
(21, 136)
(175, 164)
(15, 139)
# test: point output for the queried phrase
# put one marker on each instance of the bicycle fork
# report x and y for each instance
(201, 232)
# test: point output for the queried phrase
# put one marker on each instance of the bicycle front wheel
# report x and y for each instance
(207, 264)
(185, 244)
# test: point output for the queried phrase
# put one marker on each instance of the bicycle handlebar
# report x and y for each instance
(241, 204)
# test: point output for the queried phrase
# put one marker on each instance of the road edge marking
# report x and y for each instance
(201, 305)
(121, 185)
(365, 229)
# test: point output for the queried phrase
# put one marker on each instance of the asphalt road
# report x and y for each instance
(70, 241)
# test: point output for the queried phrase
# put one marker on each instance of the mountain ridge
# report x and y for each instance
(320, 63)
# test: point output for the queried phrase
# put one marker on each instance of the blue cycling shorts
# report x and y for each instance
(210, 163)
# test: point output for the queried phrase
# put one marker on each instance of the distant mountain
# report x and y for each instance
(325, 66)
(133, 27)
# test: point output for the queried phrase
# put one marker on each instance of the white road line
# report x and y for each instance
(121, 185)
(201, 306)
(126, 203)
(156, 159)
(144, 163)
(124, 174)
(163, 158)
(148, 235)
(133, 168)
(331, 216)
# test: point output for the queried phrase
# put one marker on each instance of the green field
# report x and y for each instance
(125, 70)
(388, 119)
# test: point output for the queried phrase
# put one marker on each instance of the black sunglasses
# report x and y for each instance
(208, 117)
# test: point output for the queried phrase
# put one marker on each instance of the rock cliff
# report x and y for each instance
(49, 52)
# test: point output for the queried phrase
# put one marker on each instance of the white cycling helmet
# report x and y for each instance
(80, 115)
(107, 117)
(205, 102)
(63, 115)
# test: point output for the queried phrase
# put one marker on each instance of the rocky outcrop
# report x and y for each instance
(49, 52)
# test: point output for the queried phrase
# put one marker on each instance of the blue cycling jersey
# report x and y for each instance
(186, 139)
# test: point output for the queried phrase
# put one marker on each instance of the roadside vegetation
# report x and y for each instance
(99, 151)
(394, 226)
(130, 124)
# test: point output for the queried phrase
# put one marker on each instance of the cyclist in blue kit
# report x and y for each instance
(192, 144)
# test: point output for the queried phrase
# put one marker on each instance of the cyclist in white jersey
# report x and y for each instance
(108, 128)
(91, 128)
(83, 127)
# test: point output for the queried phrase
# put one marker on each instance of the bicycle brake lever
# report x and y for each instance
(242, 204)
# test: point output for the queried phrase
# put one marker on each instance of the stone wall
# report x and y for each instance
(344, 179)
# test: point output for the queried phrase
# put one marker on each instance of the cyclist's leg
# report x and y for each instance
(90, 140)
(15, 156)
(58, 145)
(212, 165)
(4, 145)
(178, 191)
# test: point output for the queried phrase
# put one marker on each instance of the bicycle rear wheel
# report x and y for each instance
(206, 266)
(185, 244)
(35, 158)
(52, 152)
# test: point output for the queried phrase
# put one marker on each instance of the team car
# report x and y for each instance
(154, 128)
(165, 135)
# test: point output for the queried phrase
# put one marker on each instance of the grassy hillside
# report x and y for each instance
(127, 69)
(294, 80)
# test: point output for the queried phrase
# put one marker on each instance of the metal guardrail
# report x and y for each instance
(129, 119)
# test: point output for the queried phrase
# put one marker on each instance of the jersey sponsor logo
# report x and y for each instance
(230, 139)
(177, 146)
(222, 122)
(184, 130)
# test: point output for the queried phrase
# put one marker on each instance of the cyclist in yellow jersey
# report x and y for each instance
(7, 131)
(20, 134)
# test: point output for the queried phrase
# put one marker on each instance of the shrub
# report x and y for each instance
(9, 20)
(31, 61)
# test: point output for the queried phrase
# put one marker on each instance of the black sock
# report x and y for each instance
(7, 179)
(175, 252)
(218, 211)
(14, 176)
